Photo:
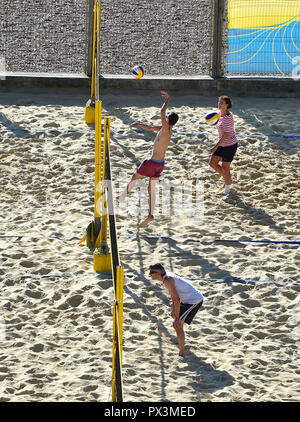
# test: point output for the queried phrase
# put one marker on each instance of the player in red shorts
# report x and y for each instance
(154, 166)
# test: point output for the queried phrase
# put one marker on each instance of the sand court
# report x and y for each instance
(243, 345)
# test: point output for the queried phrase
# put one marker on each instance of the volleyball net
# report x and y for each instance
(118, 281)
(101, 233)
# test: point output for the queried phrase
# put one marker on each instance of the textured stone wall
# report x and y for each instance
(44, 35)
(166, 36)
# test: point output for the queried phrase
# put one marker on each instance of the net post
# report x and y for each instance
(90, 105)
(113, 381)
(120, 294)
(98, 151)
(117, 378)
(93, 91)
(217, 49)
(102, 256)
(90, 40)
(104, 203)
(98, 50)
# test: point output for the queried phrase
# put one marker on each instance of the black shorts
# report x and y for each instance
(227, 153)
(188, 311)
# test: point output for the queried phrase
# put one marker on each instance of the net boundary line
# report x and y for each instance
(133, 236)
(40, 130)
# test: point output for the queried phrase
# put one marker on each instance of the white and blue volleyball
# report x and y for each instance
(212, 118)
(138, 72)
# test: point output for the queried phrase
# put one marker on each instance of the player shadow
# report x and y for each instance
(254, 214)
(13, 127)
(126, 151)
(154, 320)
(22, 132)
(209, 378)
(204, 265)
(121, 114)
(176, 253)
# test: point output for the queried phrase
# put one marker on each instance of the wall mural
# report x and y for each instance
(263, 37)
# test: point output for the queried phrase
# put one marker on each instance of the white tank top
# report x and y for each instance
(185, 290)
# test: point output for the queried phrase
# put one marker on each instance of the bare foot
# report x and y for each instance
(147, 221)
(182, 354)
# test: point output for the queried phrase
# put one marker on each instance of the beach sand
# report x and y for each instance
(56, 312)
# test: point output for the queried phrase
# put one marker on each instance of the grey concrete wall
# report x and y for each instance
(50, 36)
(242, 86)
(168, 37)
(43, 35)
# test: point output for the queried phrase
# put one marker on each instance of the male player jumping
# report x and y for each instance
(154, 166)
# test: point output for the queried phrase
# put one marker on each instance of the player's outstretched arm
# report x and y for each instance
(145, 127)
(163, 110)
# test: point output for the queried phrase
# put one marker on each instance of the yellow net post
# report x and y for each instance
(98, 163)
(90, 105)
(97, 65)
(93, 90)
(113, 383)
(102, 256)
(120, 294)
(97, 231)
(104, 202)
(117, 379)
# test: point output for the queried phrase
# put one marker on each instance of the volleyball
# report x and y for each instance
(138, 72)
(212, 118)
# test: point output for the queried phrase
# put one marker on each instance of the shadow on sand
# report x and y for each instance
(208, 379)
(254, 214)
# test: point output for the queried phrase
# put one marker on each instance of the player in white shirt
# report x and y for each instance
(186, 299)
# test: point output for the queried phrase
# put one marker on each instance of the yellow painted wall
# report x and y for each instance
(258, 13)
